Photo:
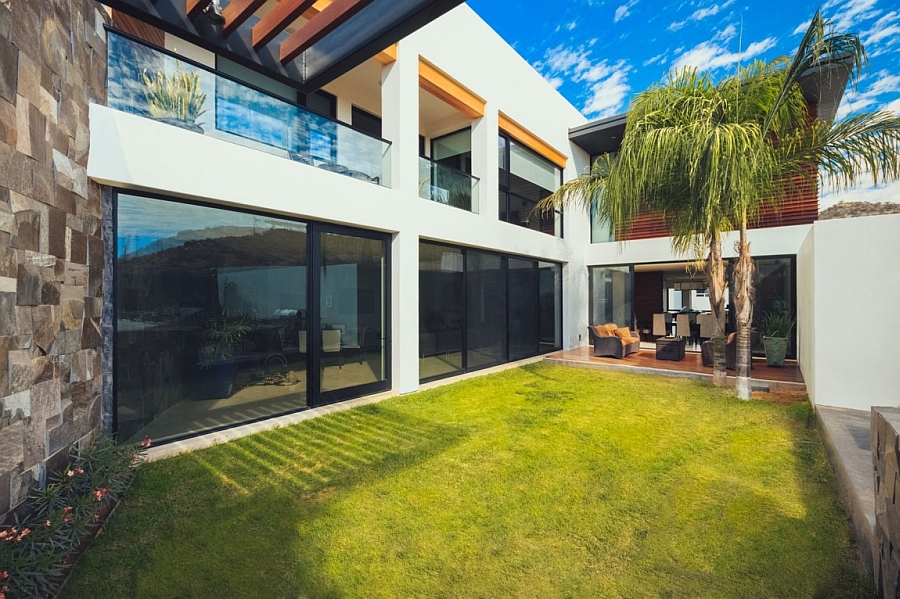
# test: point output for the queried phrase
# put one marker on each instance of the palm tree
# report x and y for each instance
(709, 155)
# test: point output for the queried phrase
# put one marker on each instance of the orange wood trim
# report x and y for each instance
(317, 8)
(237, 12)
(332, 17)
(531, 140)
(278, 19)
(444, 87)
(387, 56)
(193, 8)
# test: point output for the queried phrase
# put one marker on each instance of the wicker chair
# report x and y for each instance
(706, 352)
(612, 345)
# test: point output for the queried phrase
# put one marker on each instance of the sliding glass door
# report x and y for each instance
(225, 317)
(611, 299)
(352, 313)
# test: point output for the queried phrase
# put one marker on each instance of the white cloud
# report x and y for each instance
(882, 83)
(849, 13)
(725, 35)
(624, 10)
(700, 14)
(659, 58)
(707, 56)
(887, 29)
(608, 95)
(866, 191)
(606, 83)
(556, 82)
(893, 106)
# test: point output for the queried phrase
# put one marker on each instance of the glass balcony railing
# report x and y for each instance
(156, 84)
(446, 185)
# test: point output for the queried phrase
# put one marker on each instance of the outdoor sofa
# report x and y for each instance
(613, 341)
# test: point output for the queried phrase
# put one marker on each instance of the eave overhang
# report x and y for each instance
(333, 40)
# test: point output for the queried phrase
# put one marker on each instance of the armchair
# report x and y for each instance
(610, 340)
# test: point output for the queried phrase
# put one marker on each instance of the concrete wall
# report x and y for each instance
(52, 64)
(848, 283)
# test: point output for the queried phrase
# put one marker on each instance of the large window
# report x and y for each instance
(480, 309)
(525, 179)
(224, 317)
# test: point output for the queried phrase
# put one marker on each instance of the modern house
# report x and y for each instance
(216, 215)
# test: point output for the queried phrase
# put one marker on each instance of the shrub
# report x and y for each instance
(36, 550)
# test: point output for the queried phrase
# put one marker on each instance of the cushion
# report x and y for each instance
(730, 338)
(623, 333)
(603, 330)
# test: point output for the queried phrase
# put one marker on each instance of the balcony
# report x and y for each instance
(445, 185)
(156, 84)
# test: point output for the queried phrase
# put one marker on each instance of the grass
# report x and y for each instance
(543, 481)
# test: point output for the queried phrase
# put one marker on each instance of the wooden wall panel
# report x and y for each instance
(648, 297)
(138, 29)
(800, 206)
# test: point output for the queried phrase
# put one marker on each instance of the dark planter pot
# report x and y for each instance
(776, 348)
(189, 125)
(214, 381)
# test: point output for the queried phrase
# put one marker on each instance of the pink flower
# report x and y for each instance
(100, 493)
(4, 575)
(67, 509)
(145, 443)
(47, 523)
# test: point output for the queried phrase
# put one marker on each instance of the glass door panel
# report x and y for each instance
(485, 310)
(611, 296)
(524, 306)
(211, 309)
(352, 312)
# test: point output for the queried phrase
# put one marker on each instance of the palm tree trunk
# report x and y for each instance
(715, 281)
(743, 305)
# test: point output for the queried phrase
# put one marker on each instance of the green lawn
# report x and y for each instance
(541, 481)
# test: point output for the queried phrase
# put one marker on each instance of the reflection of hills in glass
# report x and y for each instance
(222, 246)
(229, 246)
(142, 245)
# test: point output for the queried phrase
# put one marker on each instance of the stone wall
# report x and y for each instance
(52, 64)
(886, 455)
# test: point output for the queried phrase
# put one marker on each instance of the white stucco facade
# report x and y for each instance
(129, 152)
(848, 281)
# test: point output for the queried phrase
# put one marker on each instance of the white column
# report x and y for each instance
(485, 163)
(400, 117)
(405, 311)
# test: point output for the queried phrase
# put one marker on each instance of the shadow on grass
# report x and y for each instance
(225, 522)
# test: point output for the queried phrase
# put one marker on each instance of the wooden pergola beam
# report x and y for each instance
(237, 12)
(442, 86)
(278, 19)
(332, 17)
(194, 8)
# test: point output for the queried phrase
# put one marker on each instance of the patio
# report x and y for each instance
(764, 378)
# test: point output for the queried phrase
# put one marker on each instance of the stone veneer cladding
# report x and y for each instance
(52, 64)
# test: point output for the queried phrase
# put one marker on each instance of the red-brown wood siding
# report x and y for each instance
(800, 206)
(138, 28)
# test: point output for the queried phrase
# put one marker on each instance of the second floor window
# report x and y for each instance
(525, 179)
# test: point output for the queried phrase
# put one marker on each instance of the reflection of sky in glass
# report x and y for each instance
(143, 221)
(246, 112)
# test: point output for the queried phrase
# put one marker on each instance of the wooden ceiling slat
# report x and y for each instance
(195, 7)
(332, 17)
(278, 19)
(237, 12)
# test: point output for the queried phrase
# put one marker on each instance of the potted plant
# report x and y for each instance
(175, 99)
(219, 337)
(775, 328)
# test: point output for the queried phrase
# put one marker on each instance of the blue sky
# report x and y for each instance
(599, 53)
